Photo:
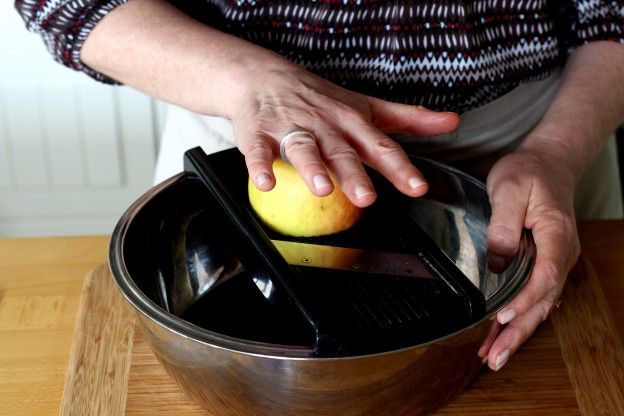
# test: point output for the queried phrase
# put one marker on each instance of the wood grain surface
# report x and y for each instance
(590, 344)
(602, 243)
(99, 363)
(40, 287)
(542, 378)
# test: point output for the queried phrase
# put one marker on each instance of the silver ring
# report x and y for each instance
(287, 138)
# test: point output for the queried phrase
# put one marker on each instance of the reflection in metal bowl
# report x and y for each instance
(172, 248)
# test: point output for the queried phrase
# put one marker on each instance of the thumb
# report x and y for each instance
(402, 118)
(509, 202)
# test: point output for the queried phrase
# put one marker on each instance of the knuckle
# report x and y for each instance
(257, 149)
(568, 226)
(303, 114)
(558, 224)
(387, 147)
(531, 300)
(256, 163)
(544, 310)
(573, 239)
(298, 113)
(349, 113)
(562, 228)
(271, 109)
(258, 125)
(313, 113)
(312, 167)
(552, 273)
(341, 152)
(576, 249)
(255, 166)
(354, 177)
(528, 297)
(301, 143)
(522, 332)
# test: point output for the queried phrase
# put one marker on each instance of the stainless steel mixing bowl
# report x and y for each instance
(173, 246)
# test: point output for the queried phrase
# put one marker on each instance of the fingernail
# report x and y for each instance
(321, 181)
(415, 182)
(506, 316)
(501, 360)
(262, 178)
(362, 190)
(484, 360)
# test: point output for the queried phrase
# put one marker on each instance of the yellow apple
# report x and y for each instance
(290, 208)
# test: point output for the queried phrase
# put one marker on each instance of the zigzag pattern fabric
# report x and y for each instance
(446, 55)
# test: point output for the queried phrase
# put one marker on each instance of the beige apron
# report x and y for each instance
(484, 135)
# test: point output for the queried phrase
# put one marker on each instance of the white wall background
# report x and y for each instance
(74, 153)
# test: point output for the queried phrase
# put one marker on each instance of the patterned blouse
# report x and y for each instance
(448, 55)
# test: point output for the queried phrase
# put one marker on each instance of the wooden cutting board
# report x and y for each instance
(574, 363)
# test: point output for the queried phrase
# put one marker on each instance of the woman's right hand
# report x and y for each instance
(279, 97)
(177, 59)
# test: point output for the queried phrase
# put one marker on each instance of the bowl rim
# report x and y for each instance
(169, 322)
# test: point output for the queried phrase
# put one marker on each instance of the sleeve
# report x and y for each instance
(597, 20)
(64, 26)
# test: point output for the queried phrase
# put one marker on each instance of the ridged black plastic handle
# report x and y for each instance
(197, 162)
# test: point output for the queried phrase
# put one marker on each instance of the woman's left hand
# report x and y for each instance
(530, 188)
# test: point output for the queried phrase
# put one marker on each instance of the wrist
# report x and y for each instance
(246, 71)
(552, 151)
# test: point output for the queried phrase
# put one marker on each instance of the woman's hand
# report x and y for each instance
(530, 188)
(177, 59)
(533, 187)
(279, 97)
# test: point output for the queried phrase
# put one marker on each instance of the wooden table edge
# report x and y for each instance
(582, 354)
(594, 359)
(111, 348)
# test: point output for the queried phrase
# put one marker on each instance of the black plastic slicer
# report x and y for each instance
(354, 310)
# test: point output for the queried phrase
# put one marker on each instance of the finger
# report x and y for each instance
(344, 162)
(509, 200)
(403, 118)
(387, 157)
(495, 328)
(518, 331)
(549, 272)
(259, 150)
(303, 153)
